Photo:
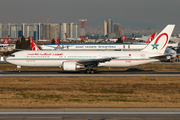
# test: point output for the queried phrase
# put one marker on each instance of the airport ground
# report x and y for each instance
(160, 66)
(91, 91)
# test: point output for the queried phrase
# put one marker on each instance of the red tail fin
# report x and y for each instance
(33, 45)
(66, 35)
(124, 37)
(57, 41)
(150, 38)
(6, 41)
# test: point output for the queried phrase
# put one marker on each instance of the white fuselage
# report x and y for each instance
(4, 44)
(74, 39)
(56, 58)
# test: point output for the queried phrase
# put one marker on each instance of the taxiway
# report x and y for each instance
(91, 113)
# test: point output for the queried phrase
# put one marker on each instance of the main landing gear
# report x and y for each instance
(89, 70)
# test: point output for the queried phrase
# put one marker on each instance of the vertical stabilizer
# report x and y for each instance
(33, 45)
(159, 44)
(6, 41)
(150, 38)
(124, 37)
(66, 35)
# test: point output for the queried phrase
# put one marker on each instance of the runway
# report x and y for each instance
(128, 73)
(91, 113)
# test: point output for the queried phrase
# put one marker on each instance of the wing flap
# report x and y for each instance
(95, 61)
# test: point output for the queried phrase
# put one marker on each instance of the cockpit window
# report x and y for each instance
(12, 55)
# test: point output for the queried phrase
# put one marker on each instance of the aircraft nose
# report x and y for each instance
(7, 59)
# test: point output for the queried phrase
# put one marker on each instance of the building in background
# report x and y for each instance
(49, 31)
(6, 30)
(71, 29)
(15, 30)
(117, 29)
(45, 31)
(75, 30)
(63, 30)
(39, 30)
(31, 30)
(107, 27)
(54, 31)
(0, 30)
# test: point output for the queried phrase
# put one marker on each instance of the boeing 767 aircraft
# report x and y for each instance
(73, 60)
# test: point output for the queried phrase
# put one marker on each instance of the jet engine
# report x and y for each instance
(71, 66)
(172, 52)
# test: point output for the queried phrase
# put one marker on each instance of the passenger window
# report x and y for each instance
(12, 55)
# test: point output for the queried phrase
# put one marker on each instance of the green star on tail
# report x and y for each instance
(154, 45)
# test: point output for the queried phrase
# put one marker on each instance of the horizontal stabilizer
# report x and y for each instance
(165, 56)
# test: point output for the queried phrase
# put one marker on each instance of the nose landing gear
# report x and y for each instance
(19, 68)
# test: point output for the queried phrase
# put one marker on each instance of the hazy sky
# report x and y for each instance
(149, 11)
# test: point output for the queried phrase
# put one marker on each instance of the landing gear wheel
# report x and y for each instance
(19, 68)
(92, 71)
(89, 71)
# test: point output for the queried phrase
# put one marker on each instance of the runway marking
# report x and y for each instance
(89, 113)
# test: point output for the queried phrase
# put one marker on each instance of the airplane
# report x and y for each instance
(114, 40)
(33, 45)
(145, 38)
(58, 48)
(123, 38)
(72, 39)
(167, 50)
(5, 43)
(73, 60)
(35, 48)
(150, 38)
(57, 40)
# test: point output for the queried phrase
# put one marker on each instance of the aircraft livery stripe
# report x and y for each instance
(86, 59)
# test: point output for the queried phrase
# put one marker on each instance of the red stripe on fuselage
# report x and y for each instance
(88, 59)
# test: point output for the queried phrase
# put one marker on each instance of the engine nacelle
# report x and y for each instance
(172, 52)
(70, 66)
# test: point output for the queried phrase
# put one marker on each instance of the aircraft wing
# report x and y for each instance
(95, 61)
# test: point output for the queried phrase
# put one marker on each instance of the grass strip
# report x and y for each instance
(90, 92)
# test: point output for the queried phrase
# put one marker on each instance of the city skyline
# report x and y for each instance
(50, 31)
(154, 14)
